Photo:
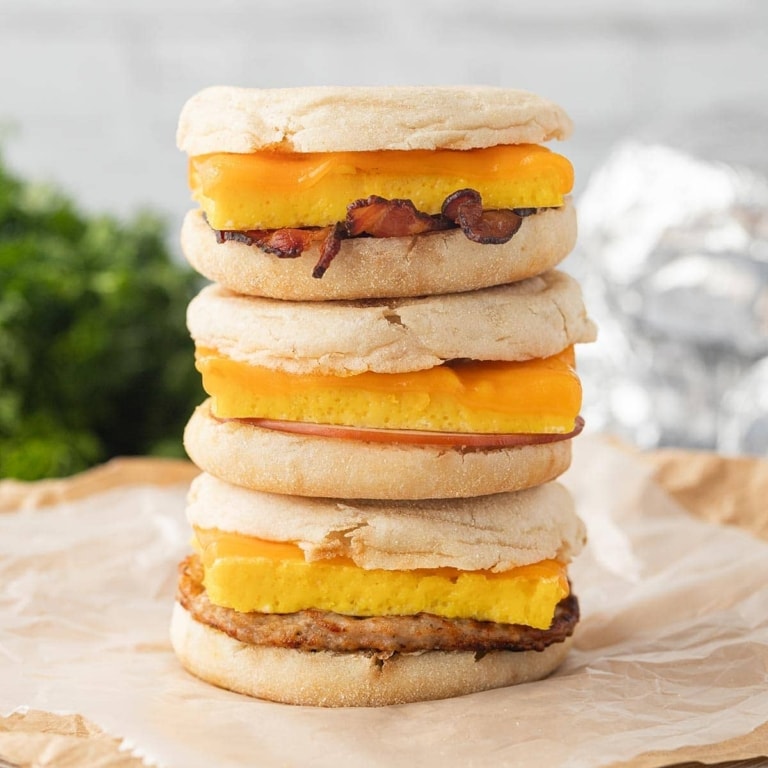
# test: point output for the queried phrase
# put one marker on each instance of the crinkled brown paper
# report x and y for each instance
(670, 663)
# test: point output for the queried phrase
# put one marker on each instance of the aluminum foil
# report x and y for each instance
(673, 259)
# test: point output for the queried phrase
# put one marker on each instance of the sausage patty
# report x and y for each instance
(314, 630)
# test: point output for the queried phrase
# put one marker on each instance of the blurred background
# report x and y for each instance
(670, 103)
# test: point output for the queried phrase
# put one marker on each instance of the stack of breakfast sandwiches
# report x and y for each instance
(387, 347)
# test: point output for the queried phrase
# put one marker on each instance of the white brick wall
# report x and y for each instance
(92, 89)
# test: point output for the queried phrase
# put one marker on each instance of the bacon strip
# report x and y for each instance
(494, 227)
(286, 243)
(331, 246)
(378, 217)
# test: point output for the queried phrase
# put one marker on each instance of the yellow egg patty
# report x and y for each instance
(250, 574)
(532, 396)
(272, 190)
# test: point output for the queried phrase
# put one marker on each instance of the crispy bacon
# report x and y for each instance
(286, 243)
(379, 217)
(494, 227)
(462, 199)
(331, 246)
(376, 216)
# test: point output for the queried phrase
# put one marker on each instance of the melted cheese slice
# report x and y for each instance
(250, 574)
(271, 190)
(533, 396)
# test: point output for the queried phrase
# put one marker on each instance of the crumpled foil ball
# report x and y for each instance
(673, 260)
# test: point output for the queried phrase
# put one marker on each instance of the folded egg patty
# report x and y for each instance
(273, 190)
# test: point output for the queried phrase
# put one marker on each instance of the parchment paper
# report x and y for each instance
(671, 655)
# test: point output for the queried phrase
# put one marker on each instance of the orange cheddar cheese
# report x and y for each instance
(532, 396)
(272, 190)
(250, 574)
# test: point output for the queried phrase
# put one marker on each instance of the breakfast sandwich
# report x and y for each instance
(387, 346)
(333, 602)
(442, 396)
(345, 193)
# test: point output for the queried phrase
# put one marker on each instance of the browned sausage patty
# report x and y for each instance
(314, 630)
